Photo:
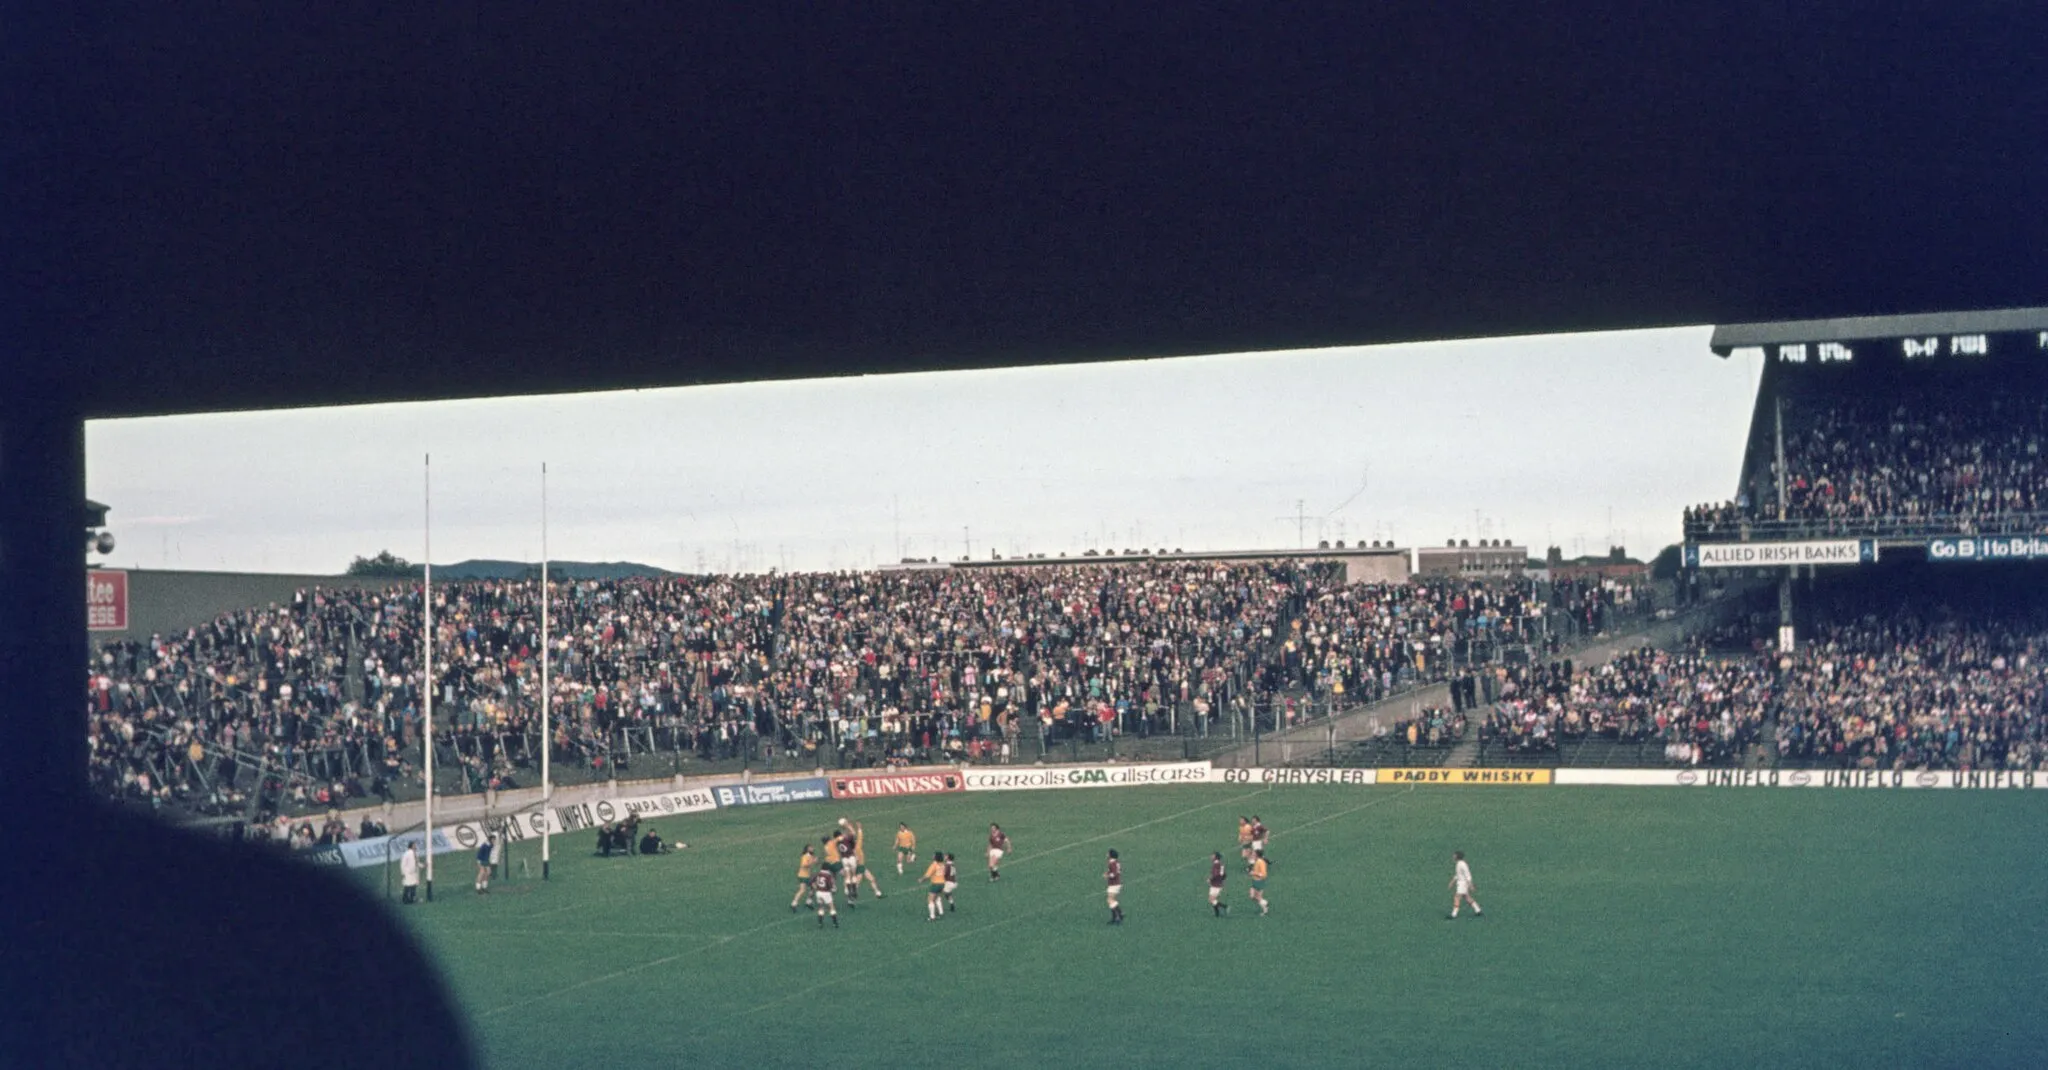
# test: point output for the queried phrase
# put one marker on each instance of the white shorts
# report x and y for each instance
(1258, 845)
(1215, 892)
(1115, 890)
(1464, 888)
(951, 886)
(995, 854)
(824, 899)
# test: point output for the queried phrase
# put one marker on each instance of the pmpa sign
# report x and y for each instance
(106, 601)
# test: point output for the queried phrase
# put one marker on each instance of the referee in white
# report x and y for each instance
(1461, 887)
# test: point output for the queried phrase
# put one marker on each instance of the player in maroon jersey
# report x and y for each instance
(821, 893)
(952, 880)
(1115, 876)
(1218, 872)
(998, 845)
(849, 870)
(1258, 840)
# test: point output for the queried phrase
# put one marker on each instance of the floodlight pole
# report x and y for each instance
(1786, 635)
(1778, 435)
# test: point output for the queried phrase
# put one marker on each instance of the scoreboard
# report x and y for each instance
(1923, 347)
(2002, 334)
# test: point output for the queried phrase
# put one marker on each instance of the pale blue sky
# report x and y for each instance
(1571, 439)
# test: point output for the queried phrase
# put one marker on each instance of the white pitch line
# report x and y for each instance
(616, 974)
(577, 932)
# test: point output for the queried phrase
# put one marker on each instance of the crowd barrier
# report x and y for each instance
(535, 821)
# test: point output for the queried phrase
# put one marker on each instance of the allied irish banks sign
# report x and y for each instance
(1775, 554)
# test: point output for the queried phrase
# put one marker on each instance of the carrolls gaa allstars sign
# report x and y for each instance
(1038, 778)
(879, 785)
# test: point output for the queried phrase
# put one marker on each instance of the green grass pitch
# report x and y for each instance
(1624, 927)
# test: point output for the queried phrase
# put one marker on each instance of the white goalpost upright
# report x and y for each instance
(427, 667)
(547, 740)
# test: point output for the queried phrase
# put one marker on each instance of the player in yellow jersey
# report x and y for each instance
(835, 857)
(1259, 881)
(906, 846)
(806, 863)
(859, 870)
(935, 889)
(1244, 838)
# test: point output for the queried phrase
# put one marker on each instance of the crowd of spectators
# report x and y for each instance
(1849, 461)
(1703, 709)
(1359, 641)
(1912, 690)
(1902, 689)
(254, 687)
(318, 701)
(1433, 726)
(323, 695)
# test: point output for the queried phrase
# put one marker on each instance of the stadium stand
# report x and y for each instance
(1891, 453)
(1929, 657)
(1951, 678)
(309, 704)
(1907, 669)
(1645, 707)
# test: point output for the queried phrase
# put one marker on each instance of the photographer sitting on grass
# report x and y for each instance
(651, 844)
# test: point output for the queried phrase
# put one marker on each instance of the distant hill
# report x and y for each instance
(567, 570)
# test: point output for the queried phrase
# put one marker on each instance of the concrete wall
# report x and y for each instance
(1380, 566)
(164, 600)
(1471, 561)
